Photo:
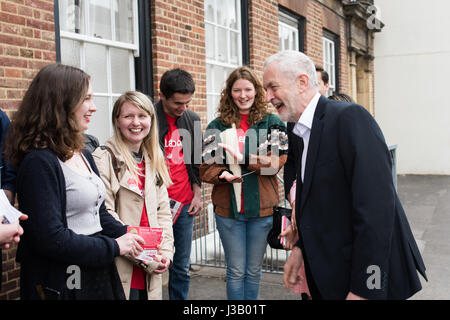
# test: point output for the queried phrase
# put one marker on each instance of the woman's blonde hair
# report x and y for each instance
(150, 144)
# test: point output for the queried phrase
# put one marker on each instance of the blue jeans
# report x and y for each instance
(244, 241)
(179, 271)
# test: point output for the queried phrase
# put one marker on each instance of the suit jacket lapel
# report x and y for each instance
(313, 148)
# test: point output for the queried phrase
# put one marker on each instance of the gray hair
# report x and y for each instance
(294, 63)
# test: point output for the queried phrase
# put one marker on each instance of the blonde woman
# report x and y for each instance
(133, 169)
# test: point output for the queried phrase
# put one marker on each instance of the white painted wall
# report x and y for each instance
(412, 83)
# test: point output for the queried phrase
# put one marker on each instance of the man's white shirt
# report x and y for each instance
(303, 128)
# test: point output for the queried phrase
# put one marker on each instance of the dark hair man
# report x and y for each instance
(323, 78)
(178, 140)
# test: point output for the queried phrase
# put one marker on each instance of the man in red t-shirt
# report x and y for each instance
(181, 140)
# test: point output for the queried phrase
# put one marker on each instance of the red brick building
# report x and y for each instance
(129, 44)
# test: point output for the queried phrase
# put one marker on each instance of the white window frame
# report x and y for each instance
(329, 62)
(283, 26)
(215, 92)
(84, 39)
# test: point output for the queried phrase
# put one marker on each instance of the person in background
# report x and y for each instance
(245, 185)
(180, 139)
(324, 80)
(7, 181)
(136, 191)
(8, 173)
(91, 142)
(341, 97)
(70, 241)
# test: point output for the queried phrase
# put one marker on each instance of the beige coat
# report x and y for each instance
(126, 203)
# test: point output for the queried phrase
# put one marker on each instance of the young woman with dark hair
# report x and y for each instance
(70, 241)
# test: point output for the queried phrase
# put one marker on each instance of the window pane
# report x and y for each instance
(100, 126)
(223, 44)
(219, 78)
(234, 43)
(209, 77)
(70, 52)
(332, 80)
(123, 12)
(227, 14)
(223, 47)
(233, 16)
(289, 39)
(96, 66)
(70, 16)
(331, 51)
(211, 107)
(100, 19)
(222, 13)
(120, 70)
(209, 35)
(209, 11)
(287, 32)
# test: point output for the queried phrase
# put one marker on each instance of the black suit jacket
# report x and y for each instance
(354, 231)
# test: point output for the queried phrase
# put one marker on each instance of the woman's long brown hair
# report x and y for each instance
(229, 112)
(45, 118)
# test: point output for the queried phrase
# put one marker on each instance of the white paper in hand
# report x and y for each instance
(8, 214)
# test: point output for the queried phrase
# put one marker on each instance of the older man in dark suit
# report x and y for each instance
(354, 237)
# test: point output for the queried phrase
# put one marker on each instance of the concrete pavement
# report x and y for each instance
(426, 200)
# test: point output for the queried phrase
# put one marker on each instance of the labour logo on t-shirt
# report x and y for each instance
(172, 143)
(174, 150)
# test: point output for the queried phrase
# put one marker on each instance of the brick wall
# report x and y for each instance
(27, 37)
(263, 33)
(27, 43)
(317, 17)
(178, 40)
(10, 275)
(314, 32)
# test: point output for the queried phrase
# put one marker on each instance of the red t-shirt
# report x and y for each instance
(241, 139)
(180, 190)
(138, 276)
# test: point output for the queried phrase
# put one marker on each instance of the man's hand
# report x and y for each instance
(196, 206)
(291, 267)
(293, 221)
(291, 235)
